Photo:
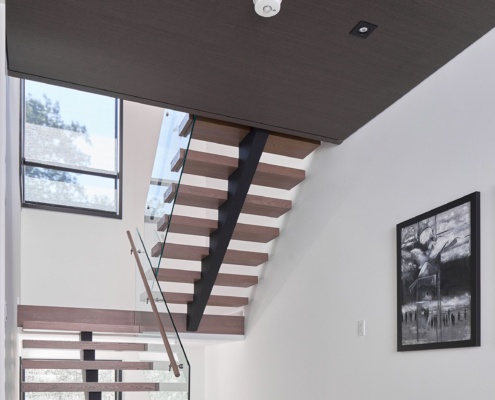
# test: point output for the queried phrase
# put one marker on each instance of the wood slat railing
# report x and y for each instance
(69, 345)
(90, 387)
(85, 365)
(79, 327)
(50, 318)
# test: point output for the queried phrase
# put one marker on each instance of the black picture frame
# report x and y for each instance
(438, 277)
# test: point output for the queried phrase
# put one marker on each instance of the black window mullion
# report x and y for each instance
(119, 134)
(69, 169)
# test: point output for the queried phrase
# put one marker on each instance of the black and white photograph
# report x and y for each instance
(438, 277)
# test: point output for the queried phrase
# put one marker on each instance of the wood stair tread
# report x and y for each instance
(204, 164)
(197, 253)
(277, 176)
(214, 300)
(290, 146)
(215, 131)
(67, 345)
(196, 196)
(267, 206)
(90, 387)
(184, 276)
(221, 167)
(230, 134)
(217, 324)
(205, 227)
(79, 327)
(84, 365)
(187, 225)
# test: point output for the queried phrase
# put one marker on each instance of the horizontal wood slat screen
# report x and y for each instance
(59, 318)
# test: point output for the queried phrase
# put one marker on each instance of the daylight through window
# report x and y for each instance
(71, 150)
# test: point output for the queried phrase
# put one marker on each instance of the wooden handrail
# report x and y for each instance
(161, 328)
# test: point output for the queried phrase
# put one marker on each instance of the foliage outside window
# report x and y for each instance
(71, 150)
(67, 376)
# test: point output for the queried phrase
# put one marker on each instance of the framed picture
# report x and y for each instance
(438, 277)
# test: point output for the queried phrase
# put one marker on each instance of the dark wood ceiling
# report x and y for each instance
(300, 72)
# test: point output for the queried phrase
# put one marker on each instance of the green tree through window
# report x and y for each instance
(70, 150)
(46, 113)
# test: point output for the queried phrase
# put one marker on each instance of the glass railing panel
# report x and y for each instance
(171, 386)
(173, 137)
(173, 144)
(171, 154)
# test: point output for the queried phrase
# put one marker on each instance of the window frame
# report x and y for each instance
(22, 378)
(118, 177)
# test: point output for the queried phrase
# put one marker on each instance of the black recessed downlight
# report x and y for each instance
(363, 29)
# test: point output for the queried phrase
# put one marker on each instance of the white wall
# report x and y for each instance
(335, 263)
(196, 357)
(82, 261)
(9, 224)
(3, 194)
(12, 239)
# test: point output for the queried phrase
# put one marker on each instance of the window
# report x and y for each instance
(71, 150)
(67, 376)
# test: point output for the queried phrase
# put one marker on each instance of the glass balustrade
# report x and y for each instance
(173, 145)
(171, 153)
(173, 385)
(160, 369)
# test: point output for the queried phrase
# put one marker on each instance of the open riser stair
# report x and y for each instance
(205, 263)
(220, 205)
(92, 365)
(41, 374)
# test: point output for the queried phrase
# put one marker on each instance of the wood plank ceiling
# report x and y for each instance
(300, 72)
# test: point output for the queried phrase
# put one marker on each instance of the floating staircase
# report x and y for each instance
(195, 268)
(208, 168)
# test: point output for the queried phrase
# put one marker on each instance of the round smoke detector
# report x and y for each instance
(267, 8)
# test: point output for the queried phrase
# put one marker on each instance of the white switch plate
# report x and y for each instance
(362, 328)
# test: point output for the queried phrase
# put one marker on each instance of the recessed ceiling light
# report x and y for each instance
(363, 29)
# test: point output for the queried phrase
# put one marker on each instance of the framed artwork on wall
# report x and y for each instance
(438, 277)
